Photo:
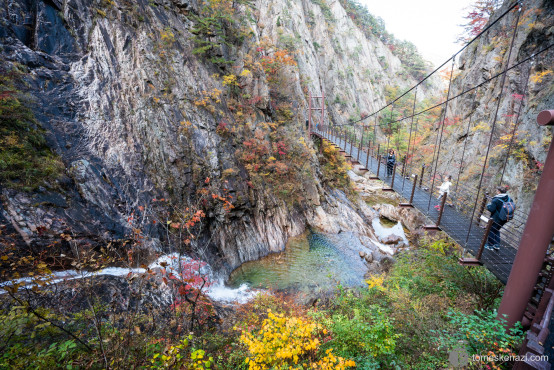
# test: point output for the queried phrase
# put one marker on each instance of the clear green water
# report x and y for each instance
(309, 262)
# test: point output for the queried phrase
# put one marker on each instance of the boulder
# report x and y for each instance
(410, 217)
(392, 239)
(369, 257)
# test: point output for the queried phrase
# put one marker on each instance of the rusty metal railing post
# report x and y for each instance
(378, 164)
(309, 111)
(534, 242)
(413, 190)
(402, 170)
(410, 204)
(361, 143)
(421, 177)
(485, 237)
(482, 206)
(441, 210)
(367, 160)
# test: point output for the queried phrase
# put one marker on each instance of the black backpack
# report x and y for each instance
(507, 211)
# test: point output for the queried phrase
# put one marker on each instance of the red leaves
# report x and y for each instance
(478, 17)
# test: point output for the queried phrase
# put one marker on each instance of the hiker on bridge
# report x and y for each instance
(444, 190)
(391, 160)
(502, 209)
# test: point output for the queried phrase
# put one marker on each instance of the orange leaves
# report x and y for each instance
(538, 77)
(275, 63)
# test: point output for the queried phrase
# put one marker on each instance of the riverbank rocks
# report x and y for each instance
(411, 218)
(392, 239)
(366, 256)
(339, 214)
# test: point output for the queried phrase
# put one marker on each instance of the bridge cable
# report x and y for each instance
(466, 139)
(409, 139)
(494, 120)
(390, 128)
(534, 55)
(516, 123)
(442, 65)
(435, 162)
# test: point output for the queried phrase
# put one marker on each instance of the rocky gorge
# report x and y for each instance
(134, 112)
(163, 203)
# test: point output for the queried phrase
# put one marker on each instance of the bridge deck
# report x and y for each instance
(456, 224)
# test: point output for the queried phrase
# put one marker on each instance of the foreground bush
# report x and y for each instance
(289, 342)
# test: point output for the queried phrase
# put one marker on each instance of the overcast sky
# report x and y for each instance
(431, 25)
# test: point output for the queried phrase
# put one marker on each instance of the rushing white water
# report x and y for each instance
(221, 293)
(383, 232)
(169, 263)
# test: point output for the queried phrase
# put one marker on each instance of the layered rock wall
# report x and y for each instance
(118, 86)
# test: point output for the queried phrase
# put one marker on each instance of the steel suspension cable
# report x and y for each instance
(516, 123)
(390, 128)
(466, 140)
(409, 139)
(532, 56)
(441, 130)
(503, 80)
(442, 65)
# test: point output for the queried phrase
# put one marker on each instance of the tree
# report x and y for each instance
(477, 18)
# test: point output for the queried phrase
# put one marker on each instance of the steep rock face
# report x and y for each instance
(134, 114)
(524, 94)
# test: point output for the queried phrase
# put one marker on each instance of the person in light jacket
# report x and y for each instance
(444, 190)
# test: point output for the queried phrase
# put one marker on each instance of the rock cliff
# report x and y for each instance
(527, 90)
(199, 104)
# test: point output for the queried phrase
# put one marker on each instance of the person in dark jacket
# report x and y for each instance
(391, 160)
(493, 240)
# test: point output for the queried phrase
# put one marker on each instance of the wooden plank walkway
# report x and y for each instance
(456, 224)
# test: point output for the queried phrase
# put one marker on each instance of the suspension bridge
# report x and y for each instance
(465, 230)
(524, 260)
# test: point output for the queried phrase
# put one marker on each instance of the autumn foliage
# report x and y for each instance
(289, 341)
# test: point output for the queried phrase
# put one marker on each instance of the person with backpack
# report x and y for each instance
(502, 209)
(391, 160)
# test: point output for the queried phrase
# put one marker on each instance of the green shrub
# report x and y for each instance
(26, 161)
(481, 334)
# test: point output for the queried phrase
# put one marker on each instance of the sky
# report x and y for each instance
(431, 25)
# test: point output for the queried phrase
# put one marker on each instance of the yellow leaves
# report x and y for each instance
(481, 126)
(167, 36)
(375, 281)
(285, 341)
(538, 77)
(230, 80)
(245, 73)
(208, 98)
